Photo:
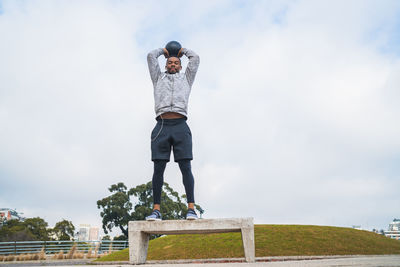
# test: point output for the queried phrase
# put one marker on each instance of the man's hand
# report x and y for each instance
(166, 54)
(180, 53)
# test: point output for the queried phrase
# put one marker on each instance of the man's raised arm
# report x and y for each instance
(152, 62)
(193, 65)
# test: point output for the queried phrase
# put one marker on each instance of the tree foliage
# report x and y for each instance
(106, 237)
(29, 230)
(120, 237)
(33, 229)
(15, 230)
(117, 209)
(38, 227)
(64, 230)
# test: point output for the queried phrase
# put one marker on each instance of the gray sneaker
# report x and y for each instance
(154, 216)
(191, 215)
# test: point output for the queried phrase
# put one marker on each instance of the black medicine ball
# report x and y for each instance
(173, 48)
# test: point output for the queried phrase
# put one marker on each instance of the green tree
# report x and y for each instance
(64, 230)
(14, 230)
(120, 237)
(38, 227)
(30, 229)
(117, 209)
(106, 237)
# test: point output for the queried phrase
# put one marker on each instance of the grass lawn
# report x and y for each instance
(270, 240)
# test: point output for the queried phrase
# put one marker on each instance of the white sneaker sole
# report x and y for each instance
(191, 218)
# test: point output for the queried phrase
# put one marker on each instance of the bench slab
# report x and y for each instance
(139, 232)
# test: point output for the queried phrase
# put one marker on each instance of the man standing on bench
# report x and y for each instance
(171, 96)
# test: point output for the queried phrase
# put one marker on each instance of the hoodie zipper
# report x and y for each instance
(172, 94)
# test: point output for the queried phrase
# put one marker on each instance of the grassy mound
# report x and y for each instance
(270, 240)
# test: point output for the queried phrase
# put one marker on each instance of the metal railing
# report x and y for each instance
(52, 247)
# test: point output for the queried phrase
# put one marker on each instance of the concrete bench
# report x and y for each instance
(139, 232)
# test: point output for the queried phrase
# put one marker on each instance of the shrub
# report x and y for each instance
(71, 252)
(59, 255)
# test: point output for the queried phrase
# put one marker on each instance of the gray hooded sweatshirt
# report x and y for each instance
(171, 91)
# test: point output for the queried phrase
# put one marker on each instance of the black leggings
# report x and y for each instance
(158, 179)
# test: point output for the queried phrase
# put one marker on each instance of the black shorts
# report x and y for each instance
(171, 133)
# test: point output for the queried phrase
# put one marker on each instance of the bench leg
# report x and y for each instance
(138, 244)
(248, 243)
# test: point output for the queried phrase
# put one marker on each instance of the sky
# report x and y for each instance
(294, 110)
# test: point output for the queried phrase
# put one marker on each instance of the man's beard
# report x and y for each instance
(172, 71)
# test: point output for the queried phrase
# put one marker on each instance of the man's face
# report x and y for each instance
(173, 65)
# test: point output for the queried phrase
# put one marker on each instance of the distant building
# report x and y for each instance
(394, 229)
(83, 232)
(94, 234)
(7, 214)
(86, 233)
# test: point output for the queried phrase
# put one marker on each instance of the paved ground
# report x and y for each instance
(362, 261)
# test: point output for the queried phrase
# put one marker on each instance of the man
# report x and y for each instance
(171, 94)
